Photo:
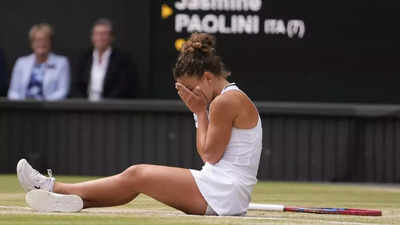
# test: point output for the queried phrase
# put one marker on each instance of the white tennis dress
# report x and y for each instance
(227, 185)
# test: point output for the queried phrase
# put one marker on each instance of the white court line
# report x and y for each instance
(29, 210)
(287, 219)
(15, 207)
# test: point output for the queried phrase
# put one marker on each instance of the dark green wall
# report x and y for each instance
(301, 142)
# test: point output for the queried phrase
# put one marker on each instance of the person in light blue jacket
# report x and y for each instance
(42, 75)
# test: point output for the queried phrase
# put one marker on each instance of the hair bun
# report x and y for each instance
(198, 55)
(200, 42)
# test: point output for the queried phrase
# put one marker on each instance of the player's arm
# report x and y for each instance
(213, 134)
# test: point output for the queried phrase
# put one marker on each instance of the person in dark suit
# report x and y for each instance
(103, 71)
(3, 76)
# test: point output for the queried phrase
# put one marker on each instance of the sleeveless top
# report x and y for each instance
(244, 149)
(227, 184)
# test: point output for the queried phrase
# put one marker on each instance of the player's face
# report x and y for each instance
(204, 84)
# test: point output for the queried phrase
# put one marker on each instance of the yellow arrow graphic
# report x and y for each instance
(179, 43)
(166, 11)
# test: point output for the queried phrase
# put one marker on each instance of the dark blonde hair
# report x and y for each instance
(199, 55)
(42, 27)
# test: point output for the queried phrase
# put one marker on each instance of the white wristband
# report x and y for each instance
(195, 120)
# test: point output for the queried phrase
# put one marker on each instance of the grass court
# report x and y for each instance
(144, 210)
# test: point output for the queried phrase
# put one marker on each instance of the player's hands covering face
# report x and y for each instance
(195, 100)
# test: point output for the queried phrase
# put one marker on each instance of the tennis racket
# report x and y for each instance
(340, 211)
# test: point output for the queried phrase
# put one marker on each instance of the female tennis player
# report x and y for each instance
(229, 137)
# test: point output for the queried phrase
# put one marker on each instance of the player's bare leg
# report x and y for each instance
(175, 187)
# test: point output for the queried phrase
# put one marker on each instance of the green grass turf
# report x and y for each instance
(144, 210)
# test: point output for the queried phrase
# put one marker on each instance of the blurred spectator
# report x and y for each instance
(103, 71)
(3, 76)
(41, 75)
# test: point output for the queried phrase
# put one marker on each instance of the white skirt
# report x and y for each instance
(224, 192)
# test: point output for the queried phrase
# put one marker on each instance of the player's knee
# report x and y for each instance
(134, 174)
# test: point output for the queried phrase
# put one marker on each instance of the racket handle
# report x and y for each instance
(266, 207)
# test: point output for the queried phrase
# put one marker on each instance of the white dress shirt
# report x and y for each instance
(98, 73)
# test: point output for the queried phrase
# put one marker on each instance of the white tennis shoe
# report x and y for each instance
(44, 201)
(31, 179)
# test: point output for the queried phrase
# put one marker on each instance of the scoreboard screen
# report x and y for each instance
(312, 51)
